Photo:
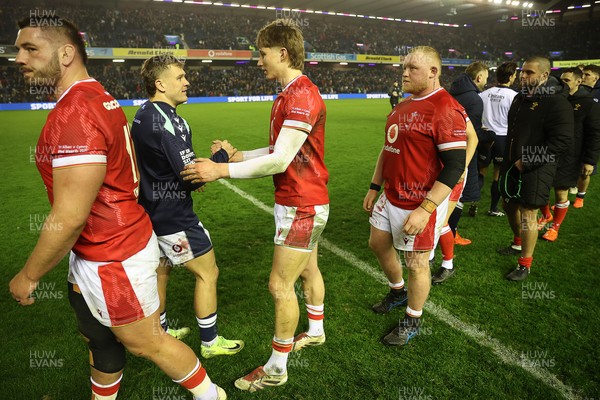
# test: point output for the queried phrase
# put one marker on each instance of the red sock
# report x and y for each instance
(447, 243)
(546, 211)
(525, 262)
(517, 240)
(560, 212)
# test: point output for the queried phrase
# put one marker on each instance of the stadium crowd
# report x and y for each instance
(241, 80)
(201, 27)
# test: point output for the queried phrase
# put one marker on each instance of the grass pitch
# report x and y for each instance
(550, 321)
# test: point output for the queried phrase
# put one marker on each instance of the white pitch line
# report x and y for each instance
(505, 353)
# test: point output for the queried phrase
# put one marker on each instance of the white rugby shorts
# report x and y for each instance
(389, 218)
(299, 227)
(119, 293)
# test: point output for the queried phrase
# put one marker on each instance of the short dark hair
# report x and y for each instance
(577, 73)
(154, 66)
(284, 33)
(594, 68)
(56, 24)
(475, 68)
(542, 61)
(505, 71)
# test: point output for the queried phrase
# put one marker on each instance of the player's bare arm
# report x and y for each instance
(75, 190)
(417, 220)
(454, 167)
(377, 180)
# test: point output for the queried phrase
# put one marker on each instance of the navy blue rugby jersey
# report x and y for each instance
(163, 146)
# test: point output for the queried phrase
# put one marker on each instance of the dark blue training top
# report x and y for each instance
(163, 146)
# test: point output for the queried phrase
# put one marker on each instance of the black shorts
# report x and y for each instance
(537, 183)
(530, 188)
(486, 152)
(567, 172)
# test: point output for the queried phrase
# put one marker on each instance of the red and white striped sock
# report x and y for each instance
(316, 314)
(198, 383)
(277, 364)
(105, 392)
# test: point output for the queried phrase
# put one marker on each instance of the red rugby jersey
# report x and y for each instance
(88, 127)
(304, 182)
(416, 130)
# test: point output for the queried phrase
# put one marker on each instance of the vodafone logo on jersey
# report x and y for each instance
(392, 133)
(111, 105)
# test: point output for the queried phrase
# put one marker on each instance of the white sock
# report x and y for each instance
(448, 264)
(398, 285)
(210, 394)
(413, 313)
(277, 364)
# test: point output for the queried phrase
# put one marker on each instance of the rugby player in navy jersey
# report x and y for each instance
(163, 145)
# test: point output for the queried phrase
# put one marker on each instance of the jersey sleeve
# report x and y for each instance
(80, 142)
(179, 154)
(450, 129)
(301, 110)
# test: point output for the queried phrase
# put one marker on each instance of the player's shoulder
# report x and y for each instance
(445, 100)
(302, 86)
(144, 113)
(89, 98)
(89, 89)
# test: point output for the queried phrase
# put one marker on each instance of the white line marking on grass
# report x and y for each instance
(505, 353)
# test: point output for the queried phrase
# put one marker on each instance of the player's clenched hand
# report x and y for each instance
(369, 201)
(202, 170)
(519, 165)
(587, 169)
(216, 146)
(21, 288)
(416, 221)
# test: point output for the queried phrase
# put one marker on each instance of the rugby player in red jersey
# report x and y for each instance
(86, 159)
(295, 159)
